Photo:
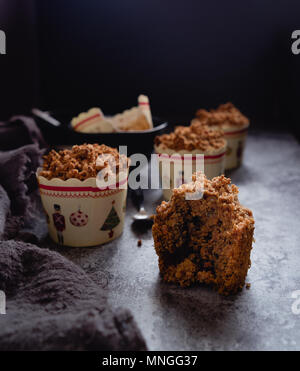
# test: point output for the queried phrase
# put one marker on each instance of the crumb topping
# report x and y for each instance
(82, 162)
(196, 136)
(225, 115)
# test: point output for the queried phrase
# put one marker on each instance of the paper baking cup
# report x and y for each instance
(79, 214)
(214, 165)
(236, 140)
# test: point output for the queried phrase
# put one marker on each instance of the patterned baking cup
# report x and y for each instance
(92, 121)
(236, 140)
(79, 214)
(214, 165)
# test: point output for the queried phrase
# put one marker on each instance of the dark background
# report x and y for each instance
(183, 54)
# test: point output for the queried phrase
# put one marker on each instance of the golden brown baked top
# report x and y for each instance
(224, 116)
(82, 162)
(218, 188)
(197, 136)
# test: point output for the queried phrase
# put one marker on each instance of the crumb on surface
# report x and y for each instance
(207, 240)
(248, 286)
(139, 243)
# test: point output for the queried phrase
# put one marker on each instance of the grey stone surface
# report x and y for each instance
(172, 318)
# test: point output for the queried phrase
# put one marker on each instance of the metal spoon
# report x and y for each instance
(138, 200)
(45, 116)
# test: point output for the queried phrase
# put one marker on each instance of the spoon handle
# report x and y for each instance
(46, 117)
(138, 198)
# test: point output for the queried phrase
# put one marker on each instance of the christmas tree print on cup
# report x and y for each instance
(111, 221)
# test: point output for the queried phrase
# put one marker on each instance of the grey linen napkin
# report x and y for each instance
(18, 181)
(17, 175)
(53, 305)
(20, 131)
(4, 210)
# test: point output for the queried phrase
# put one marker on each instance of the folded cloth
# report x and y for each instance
(4, 210)
(51, 304)
(17, 175)
(19, 131)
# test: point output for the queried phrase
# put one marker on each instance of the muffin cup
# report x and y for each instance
(214, 165)
(79, 214)
(236, 140)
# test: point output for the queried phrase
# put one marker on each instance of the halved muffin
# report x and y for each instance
(206, 240)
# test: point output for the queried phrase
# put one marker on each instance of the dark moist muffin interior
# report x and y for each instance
(207, 240)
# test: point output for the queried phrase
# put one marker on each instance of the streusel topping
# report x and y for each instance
(225, 115)
(82, 162)
(196, 136)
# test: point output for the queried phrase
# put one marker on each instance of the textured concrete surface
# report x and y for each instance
(172, 318)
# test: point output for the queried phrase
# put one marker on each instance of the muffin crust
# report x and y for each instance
(225, 115)
(196, 136)
(82, 162)
(207, 240)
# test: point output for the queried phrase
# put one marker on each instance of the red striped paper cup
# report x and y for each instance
(79, 214)
(236, 141)
(173, 165)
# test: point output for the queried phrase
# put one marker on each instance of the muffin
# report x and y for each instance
(235, 126)
(194, 140)
(207, 240)
(83, 191)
